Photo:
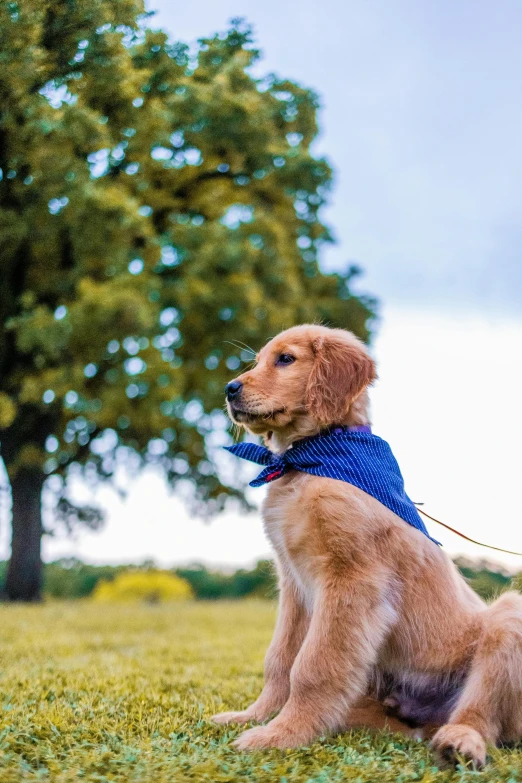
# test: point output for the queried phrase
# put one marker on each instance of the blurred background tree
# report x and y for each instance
(156, 201)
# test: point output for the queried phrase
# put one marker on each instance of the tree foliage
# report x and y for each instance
(156, 201)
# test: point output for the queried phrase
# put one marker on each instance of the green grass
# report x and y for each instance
(97, 693)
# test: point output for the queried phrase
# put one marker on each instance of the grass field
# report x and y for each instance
(101, 693)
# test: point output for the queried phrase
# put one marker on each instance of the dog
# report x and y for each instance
(376, 627)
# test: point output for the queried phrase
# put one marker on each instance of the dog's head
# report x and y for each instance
(305, 379)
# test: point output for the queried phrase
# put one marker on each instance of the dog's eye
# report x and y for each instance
(284, 359)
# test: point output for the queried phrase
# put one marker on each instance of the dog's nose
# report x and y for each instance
(233, 390)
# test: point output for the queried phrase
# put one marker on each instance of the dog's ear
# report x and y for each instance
(342, 370)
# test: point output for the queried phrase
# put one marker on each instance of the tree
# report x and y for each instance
(155, 202)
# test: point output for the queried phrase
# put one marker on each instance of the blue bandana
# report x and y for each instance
(351, 454)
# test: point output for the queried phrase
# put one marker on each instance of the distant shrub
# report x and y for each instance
(487, 579)
(517, 583)
(146, 586)
(70, 578)
(212, 585)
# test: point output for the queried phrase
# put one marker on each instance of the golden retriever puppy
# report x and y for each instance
(375, 626)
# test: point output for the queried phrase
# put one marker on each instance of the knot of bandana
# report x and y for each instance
(276, 465)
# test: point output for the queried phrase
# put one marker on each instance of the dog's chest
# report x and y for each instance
(288, 528)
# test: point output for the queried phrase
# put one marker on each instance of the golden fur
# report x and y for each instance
(375, 627)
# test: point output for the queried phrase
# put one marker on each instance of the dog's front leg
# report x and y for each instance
(292, 624)
(348, 626)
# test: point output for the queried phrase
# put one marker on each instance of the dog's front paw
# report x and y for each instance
(454, 742)
(259, 738)
(272, 736)
(232, 717)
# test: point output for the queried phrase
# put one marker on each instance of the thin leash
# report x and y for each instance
(467, 538)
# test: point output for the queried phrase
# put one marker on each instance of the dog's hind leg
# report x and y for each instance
(489, 708)
(371, 714)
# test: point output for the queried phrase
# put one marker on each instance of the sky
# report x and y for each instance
(422, 122)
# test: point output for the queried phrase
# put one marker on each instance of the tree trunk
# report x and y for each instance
(24, 573)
